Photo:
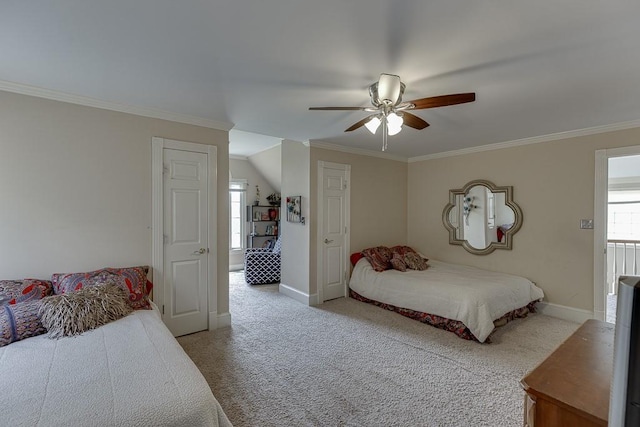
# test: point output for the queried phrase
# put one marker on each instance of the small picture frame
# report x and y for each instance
(264, 216)
(294, 208)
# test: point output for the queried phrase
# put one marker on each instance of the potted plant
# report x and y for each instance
(274, 199)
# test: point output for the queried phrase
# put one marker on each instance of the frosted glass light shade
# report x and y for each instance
(394, 124)
(373, 124)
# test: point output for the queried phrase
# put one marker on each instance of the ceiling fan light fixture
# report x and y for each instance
(394, 124)
(389, 88)
(373, 124)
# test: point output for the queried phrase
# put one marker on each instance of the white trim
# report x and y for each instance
(157, 214)
(157, 221)
(113, 106)
(360, 151)
(237, 157)
(600, 199)
(601, 190)
(320, 217)
(236, 267)
(219, 320)
(533, 140)
(563, 312)
(297, 295)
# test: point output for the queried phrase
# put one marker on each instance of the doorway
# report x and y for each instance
(334, 201)
(616, 225)
(184, 234)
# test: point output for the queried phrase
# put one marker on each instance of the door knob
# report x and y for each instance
(328, 241)
(199, 252)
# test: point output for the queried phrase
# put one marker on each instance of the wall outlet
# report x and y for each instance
(586, 224)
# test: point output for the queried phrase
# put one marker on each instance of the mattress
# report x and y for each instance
(470, 295)
(130, 372)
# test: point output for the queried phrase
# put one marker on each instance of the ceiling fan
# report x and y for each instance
(389, 110)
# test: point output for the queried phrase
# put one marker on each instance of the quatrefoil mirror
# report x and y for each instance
(482, 217)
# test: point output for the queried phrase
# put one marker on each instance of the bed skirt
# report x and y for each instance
(450, 325)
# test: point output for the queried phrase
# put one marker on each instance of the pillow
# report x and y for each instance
(15, 291)
(277, 247)
(398, 263)
(76, 312)
(19, 321)
(355, 257)
(131, 279)
(415, 261)
(379, 257)
(402, 250)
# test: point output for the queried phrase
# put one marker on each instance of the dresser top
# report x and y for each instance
(577, 375)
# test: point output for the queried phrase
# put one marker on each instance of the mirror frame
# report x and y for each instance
(508, 235)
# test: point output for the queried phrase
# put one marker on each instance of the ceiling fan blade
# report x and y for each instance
(339, 108)
(443, 101)
(360, 123)
(413, 121)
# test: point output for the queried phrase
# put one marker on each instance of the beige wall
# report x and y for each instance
(378, 202)
(75, 188)
(553, 183)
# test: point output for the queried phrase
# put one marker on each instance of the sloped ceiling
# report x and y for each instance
(269, 164)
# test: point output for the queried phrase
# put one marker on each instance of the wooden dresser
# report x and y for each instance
(571, 386)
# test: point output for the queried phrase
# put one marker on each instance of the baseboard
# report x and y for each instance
(236, 267)
(563, 312)
(217, 321)
(297, 295)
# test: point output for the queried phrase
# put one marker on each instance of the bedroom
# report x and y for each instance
(75, 180)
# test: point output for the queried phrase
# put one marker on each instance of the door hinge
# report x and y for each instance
(165, 239)
(165, 169)
(345, 185)
(162, 308)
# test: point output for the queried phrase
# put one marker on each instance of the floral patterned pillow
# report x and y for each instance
(20, 321)
(131, 279)
(398, 263)
(16, 291)
(402, 250)
(415, 262)
(379, 257)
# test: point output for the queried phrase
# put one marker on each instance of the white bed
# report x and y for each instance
(470, 295)
(130, 372)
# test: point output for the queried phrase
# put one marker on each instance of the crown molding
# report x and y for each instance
(533, 140)
(360, 151)
(238, 157)
(113, 106)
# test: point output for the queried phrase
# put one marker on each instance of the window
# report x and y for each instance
(624, 215)
(237, 208)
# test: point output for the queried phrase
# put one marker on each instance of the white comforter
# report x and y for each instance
(131, 372)
(471, 295)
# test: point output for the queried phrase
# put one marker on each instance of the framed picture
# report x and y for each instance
(294, 208)
(264, 216)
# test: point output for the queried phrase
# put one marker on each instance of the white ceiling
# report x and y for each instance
(538, 67)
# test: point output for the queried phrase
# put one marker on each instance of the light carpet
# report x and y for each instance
(348, 363)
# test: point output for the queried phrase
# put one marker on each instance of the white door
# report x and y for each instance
(333, 181)
(186, 245)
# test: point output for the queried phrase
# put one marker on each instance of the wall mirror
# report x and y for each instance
(482, 217)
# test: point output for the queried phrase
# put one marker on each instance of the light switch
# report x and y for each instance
(586, 224)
